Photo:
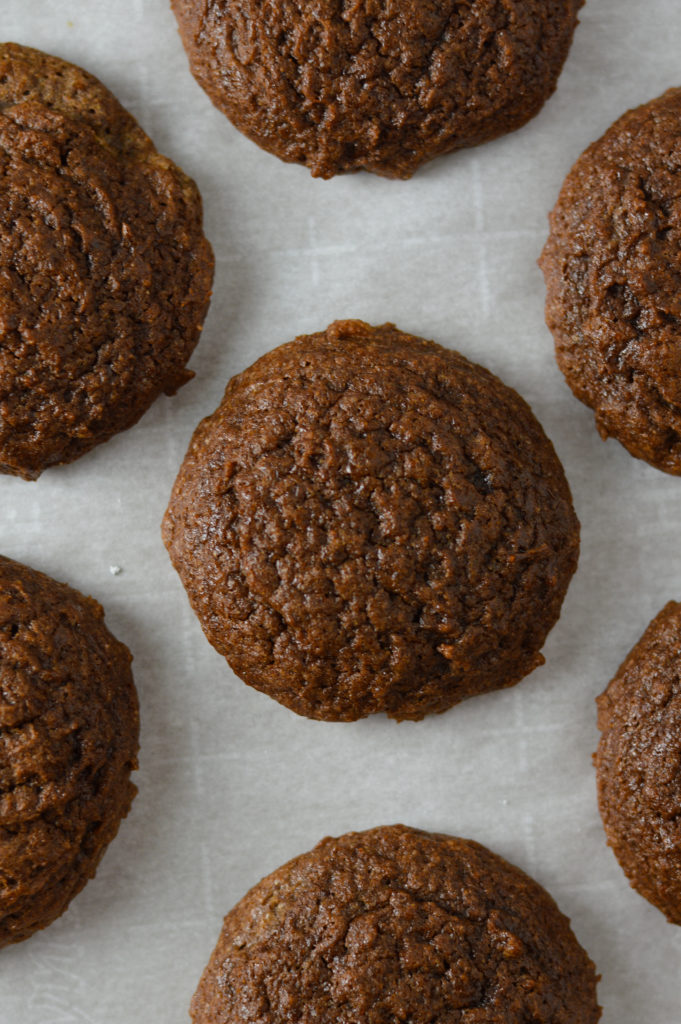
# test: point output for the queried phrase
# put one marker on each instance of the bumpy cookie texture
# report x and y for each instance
(68, 741)
(612, 266)
(105, 273)
(638, 763)
(370, 522)
(396, 925)
(378, 86)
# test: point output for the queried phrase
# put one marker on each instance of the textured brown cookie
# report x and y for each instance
(380, 87)
(397, 925)
(68, 741)
(369, 522)
(638, 763)
(612, 266)
(105, 273)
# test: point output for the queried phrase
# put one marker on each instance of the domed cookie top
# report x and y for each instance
(397, 925)
(68, 741)
(105, 273)
(382, 87)
(638, 763)
(369, 522)
(612, 265)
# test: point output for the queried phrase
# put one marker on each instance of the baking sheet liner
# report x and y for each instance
(231, 785)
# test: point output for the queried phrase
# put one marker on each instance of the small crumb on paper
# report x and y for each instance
(115, 570)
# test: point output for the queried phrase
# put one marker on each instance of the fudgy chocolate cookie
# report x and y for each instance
(638, 763)
(612, 266)
(397, 925)
(68, 741)
(105, 273)
(370, 522)
(380, 87)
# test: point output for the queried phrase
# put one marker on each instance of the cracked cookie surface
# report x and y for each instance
(379, 86)
(105, 274)
(638, 763)
(370, 522)
(395, 925)
(612, 266)
(68, 742)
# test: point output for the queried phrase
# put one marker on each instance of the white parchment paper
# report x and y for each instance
(230, 784)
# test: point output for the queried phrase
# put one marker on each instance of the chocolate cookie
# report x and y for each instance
(105, 273)
(376, 87)
(369, 522)
(638, 763)
(612, 265)
(68, 741)
(397, 925)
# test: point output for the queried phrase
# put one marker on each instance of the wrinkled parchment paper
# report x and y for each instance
(231, 784)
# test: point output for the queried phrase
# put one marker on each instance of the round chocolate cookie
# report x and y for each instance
(377, 87)
(397, 925)
(105, 274)
(612, 266)
(638, 763)
(370, 522)
(68, 741)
